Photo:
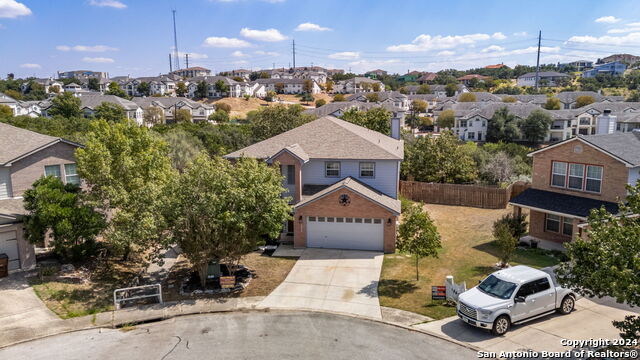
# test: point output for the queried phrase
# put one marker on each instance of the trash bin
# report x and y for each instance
(4, 265)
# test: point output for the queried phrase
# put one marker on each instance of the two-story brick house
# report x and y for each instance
(574, 176)
(343, 180)
(25, 156)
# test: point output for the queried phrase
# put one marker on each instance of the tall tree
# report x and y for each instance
(503, 126)
(110, 112)
(424, 89)
(417, 106)
(328, 86)
(221, 211)
(181, 89)
(467, 97)
(307, 86)
(584, 101)
(221, 87)
(144, 88)
(202, 90)
(377, 119)
(183, 148)
(553, 103)
(536, 126)
(182, 116)
(56, 207)
(93, 84)
(114, 89)
(418, 235)
(274, 120)
(451, 89)
(126, 167)
(153, 115)
(65, 105)
(606, 264)
(446, 119)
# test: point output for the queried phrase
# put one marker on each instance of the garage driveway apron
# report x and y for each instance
(343, 281)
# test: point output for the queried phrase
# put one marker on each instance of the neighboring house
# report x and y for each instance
(89, 102)
(411, 76)
(199, 112)
(469, 78)
(496, 66)
(574, 176)
(440, 90)
(25, 156)
(234, 88)
(30, 108)
(192, 72)
(426, 78)
(289, 86)
(615, 68)
(545, 78)
(82, 74)
(243, 73)
(343, 180)
(158, 85)
(47, 83)
(585, 118)
(579, 65)
(627, 58)
(357, 85)
(338, 109)
(392, 98)
(374, 74)
(73, 87)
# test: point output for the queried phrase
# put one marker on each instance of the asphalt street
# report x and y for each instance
(249, 335)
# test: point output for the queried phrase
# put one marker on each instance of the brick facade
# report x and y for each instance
(537, 228)
(329, 206)
(615, 174)
(26, 171)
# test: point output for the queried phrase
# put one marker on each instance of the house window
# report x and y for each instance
(71, 174)
(576, 176)
(332, 169)
(367, 169)
(559, 174)
(471, 135)
(463, 123)
(567, 226)
(312, 218)
(358, 220)
(552, 223)
(594, 178)
(291, 174)
(52, 170)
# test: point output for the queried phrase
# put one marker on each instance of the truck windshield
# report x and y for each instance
(496, 287)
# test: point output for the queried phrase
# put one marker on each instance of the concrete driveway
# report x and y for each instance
(344, 281)
(591, 319)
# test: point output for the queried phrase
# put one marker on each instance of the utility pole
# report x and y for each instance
(186, 57)
(170, 65)
(294, 55)
(538, 61)
(175, 42)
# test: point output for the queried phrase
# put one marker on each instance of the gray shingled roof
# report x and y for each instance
(330, 108)
(16, 142)
(12, 208)
(561, 203)
(329, 138)
(625, 146)
(544, 74)
(92, 101)
(167, 102)
(358, 187)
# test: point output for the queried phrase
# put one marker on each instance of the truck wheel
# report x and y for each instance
(567, 305)
(501, 325)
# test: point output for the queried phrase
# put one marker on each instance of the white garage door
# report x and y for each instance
(9, 246)
(345, 233)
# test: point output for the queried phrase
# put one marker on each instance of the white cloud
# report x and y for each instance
(629, 39)
(108, 3)
(607, 19)
(446, 53)
(238, 54)
(12, 9)
(85, 48)
(311, 27)
(520, 33)
(492, 48)
(630, 27)
(499, 36)
(345, 55)
(192, 55)
(224, 42)
(269, 35)
(426, 42)
(267, 53)
(31, 66)
(100, 60)
(534, 49)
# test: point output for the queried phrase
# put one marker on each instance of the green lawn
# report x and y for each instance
(468, 254)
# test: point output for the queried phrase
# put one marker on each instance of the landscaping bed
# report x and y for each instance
(468, 253)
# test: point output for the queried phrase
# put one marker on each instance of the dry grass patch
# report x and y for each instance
(467, 253)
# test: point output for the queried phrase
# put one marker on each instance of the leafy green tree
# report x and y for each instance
(503, 126)
(35, 91)
(403, 90)
(219, 116)
(320, 102)
(114, 89)
(14, 94)
(439, 159)
(153, 115)
(221, 87)
(451, 89)
(144, 88)
(553, 103)
(181, 89)
(446, 119)
(74, 129)
(634, 96)
(56, 207)
(270, 95)
(306, 97)
(182, 116)
(183, 148)
(418, 235)
(377, 119)
(424, 89)
(373, 97)
(274, 120)
(5, 112)
(338, 98)
(110, 112)
(221, 211)
(505, 242)
(328, 86)
(93, 84)
(54, 89)
(467, 97)
(202, 90)
(65, 105)
(417, 106)
(536, 125)
(584, 100)
(126, 169)
(279, 87)
(307, 86)
(606, 263)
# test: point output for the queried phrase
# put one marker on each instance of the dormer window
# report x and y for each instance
(332, 169)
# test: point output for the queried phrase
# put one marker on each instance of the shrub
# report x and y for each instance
(320, 102)
(509, 99)
(339, 97)
(223, 106)
(506, 242)
(467, 97)
(517, 225)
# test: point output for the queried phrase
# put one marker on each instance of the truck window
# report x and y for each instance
(542, 285)
(496, 287)
(526, 289)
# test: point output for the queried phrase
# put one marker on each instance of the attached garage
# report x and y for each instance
(345, 233)
(9, 246)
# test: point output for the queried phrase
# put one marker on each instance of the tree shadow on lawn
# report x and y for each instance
(531, 257)
(395, 288)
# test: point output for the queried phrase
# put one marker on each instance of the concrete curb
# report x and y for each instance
(166, 311)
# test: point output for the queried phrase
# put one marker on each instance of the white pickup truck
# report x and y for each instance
(511, 296)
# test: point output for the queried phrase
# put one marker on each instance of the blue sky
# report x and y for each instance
(40, 37)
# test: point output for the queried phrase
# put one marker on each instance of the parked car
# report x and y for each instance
(514, 295)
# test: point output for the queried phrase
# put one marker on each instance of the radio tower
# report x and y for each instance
(175, 43)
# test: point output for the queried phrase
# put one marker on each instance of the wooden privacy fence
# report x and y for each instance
(488, 197)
